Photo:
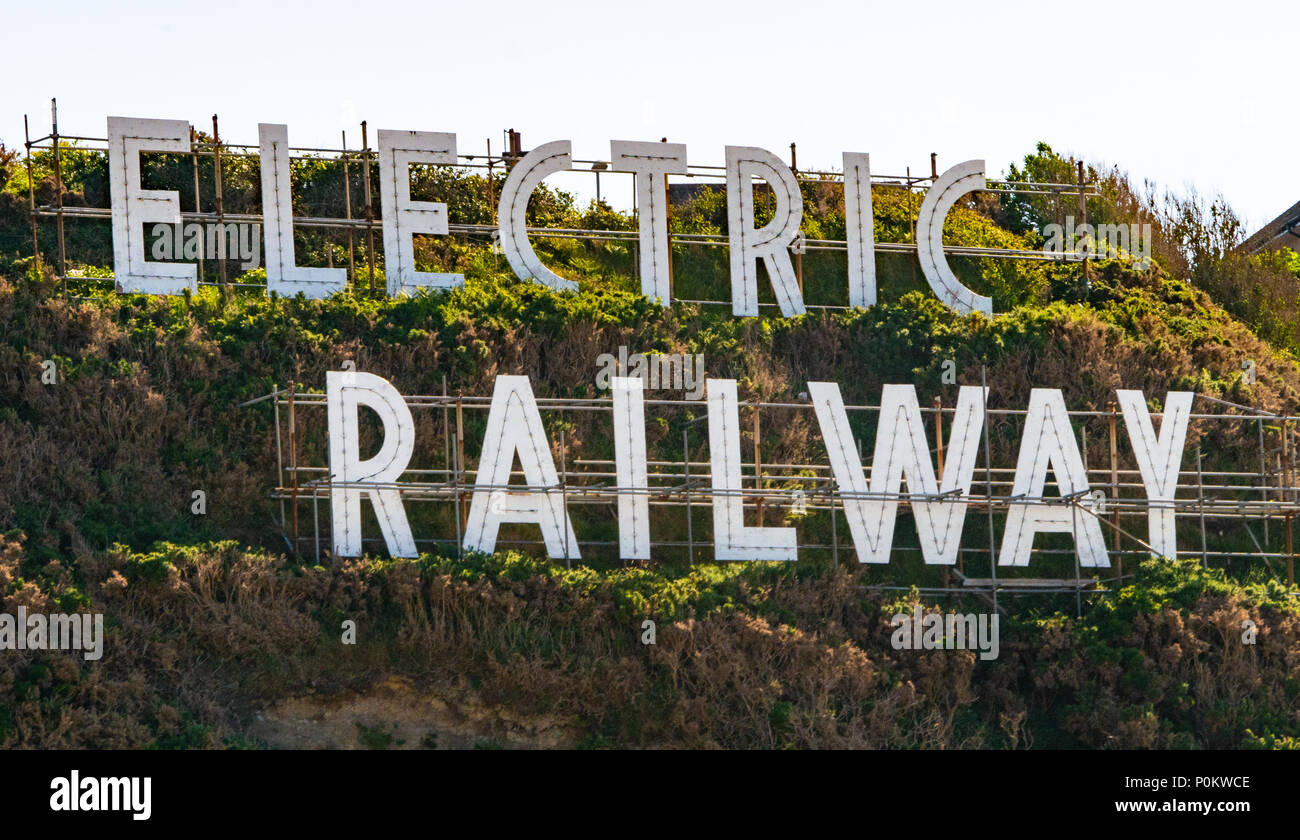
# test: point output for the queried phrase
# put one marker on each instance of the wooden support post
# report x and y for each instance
(758, 469)
(938, 441)
(198, 205)
(221, 210)
(668, 231)
(1114, 491)
(564, 492)
(686, 485)
(911, 221)
(58, 192)
(938, 431)
(370, 211)
(293, 460)
(1200, 504)
(347, 212)
(1083, 215)
(31, 195)
(1284, 475)
(1290, 555)
(460, 454)
(491, 186)
(668, 208)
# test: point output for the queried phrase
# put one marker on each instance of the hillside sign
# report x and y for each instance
(403, 218)
(515, 434)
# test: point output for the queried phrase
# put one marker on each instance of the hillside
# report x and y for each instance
(220, 636)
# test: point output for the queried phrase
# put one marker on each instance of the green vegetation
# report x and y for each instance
(754, 655)
(211, 619)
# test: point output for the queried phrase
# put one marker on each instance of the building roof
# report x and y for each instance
(1282, 231)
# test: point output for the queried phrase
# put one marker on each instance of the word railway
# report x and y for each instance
(938, 500)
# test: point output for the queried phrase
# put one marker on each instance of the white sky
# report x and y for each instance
(1186, 93)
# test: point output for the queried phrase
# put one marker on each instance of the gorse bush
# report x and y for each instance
(747, 655)
(146, 408)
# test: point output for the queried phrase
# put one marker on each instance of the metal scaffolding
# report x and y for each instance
(368, 219)
(1263, 495)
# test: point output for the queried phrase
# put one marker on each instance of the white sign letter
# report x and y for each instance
(133, 207)
(283, 275)
(512, 212)
(770, 242)
(939, 199)
(630, 462)
(344, 392)
(859, 229)
(651, 162)
(732, 539)
(1158, 459)
(901, 453)
(1049, 443)
(515, 426)
(403, 218)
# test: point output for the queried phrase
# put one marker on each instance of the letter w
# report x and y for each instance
(902, 454)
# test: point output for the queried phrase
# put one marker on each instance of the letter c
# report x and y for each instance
(512, 211)
(958, 181)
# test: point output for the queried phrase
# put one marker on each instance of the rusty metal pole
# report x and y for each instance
(564, 492)
(492, 199)
(938, 438)
(221, 210)
(455, 484)
(1263, 476)
(194, 159)
(798, 257)
(1083, 214)
(938, 431)
(293, 461)
(460, 455)
(668, 208)
(1284, 476)
(686, 489)
(58, 191)
(988, 479)
(279, 460)
(1112, 423)
(1200, 504)
(911, 221)
(1290, 555)
(446, 428)
(1284, 470)
(31, 195)
(1291, 467)
(835, 540)
(758, 468)
(668, 235)
(370, 212)
(347, 212)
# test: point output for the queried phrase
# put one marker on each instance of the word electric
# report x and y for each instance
(650, 163)
(515, 434)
